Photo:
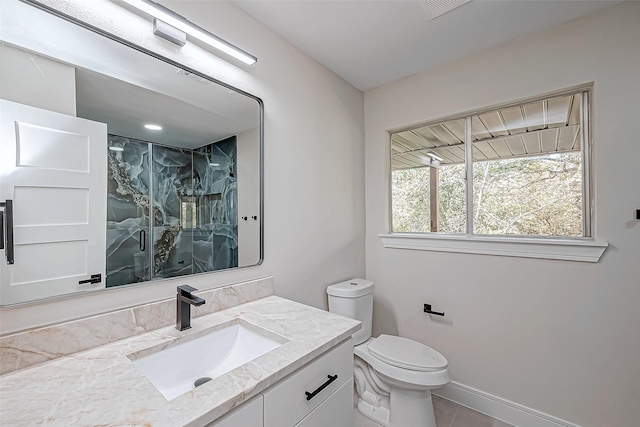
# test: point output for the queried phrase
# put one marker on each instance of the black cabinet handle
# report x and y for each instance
(143, 240)
(322, 387)
(7, 230)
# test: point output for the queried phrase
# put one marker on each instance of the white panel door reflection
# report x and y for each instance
(53, 169)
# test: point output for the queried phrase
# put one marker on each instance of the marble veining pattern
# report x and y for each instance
(24, 349)
(73, 390)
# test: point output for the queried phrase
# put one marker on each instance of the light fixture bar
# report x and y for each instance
(182, 24)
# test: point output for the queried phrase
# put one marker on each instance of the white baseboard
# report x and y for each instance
(499, 408)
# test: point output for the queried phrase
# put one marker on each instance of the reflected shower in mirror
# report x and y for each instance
(193, 196)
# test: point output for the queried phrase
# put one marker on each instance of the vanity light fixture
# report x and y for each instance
(182, 24)
(214, 164)
(167, 32)
(153, 127)
(116, 148)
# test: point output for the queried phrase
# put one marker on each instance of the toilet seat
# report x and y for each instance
(407, 354)
(412, 378)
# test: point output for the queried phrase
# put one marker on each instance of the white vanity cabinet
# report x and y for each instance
(336, 411)
(286, 403)
(249, 414)
(319, 394)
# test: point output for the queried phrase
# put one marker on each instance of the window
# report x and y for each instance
(507, 181)
(518, 170)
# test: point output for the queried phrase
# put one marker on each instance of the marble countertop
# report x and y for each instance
(101, 386)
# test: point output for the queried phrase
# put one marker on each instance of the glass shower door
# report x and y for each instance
(128, 232)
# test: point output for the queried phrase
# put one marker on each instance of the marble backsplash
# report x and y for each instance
(25, 349)
(192, 197)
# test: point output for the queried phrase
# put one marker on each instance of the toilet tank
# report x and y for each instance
(354, 299)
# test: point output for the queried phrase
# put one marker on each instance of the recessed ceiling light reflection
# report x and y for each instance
(153, 127)
(115, 148)
(214, 164)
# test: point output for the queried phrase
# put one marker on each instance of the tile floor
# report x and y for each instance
(448, 414)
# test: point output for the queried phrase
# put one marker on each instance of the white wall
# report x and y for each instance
(37, 81)
(314, 168)
(248, 182)
(560, 337)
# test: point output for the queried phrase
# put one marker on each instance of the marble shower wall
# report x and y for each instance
(215, 245)
(194, 203)
(172, 177)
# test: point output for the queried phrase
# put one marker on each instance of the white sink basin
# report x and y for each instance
(174, 370)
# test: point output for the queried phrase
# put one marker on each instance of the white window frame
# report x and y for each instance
(584, 248)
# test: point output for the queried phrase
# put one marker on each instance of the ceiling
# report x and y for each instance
(186, 122)
(550, 126)
(371, 43)
(126, 89)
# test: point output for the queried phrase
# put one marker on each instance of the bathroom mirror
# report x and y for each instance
(180, 200)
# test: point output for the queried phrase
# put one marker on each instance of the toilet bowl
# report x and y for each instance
(394, 376)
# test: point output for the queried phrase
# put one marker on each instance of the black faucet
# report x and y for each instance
(184, 301)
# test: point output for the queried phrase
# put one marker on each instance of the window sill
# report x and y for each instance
(523, 247)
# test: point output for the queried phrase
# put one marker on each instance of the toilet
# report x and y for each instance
(394, 376)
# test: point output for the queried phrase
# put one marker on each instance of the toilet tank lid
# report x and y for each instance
(351, 288)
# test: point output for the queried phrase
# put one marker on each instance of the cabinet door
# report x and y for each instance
(287, 402)
(248, 414)
(53, 169)
(336, 411)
